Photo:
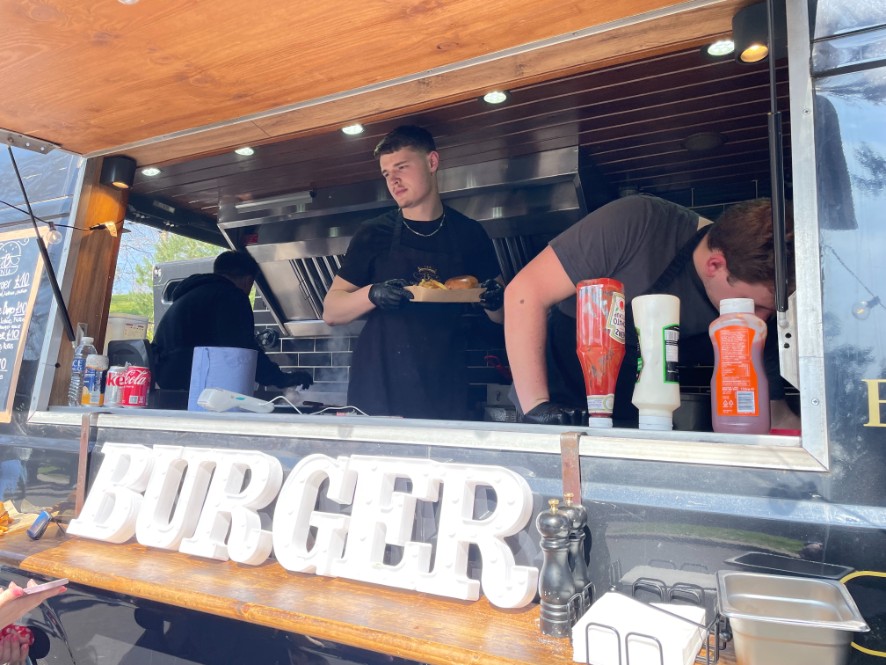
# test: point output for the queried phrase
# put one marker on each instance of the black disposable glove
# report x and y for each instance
(548, 413)
(390, 294)
(493, 297)
(297, 378)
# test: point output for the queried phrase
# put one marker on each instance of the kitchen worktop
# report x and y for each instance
(407, 624)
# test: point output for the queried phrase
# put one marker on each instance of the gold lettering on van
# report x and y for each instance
(875, 402)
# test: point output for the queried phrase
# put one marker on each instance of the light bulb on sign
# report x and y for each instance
(862, 308)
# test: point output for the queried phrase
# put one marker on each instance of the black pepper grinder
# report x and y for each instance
(578, 516)
(555, 585)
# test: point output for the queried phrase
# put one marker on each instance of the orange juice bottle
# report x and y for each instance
(739, 386)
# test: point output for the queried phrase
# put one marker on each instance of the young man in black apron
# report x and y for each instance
(651, 246)
(409, 356)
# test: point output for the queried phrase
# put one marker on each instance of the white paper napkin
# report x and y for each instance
(680, 640)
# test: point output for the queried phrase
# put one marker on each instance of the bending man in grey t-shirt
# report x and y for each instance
(634, 240)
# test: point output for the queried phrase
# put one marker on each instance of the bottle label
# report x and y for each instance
(615, 324)
(93, 390)
(670, 344)
(78, 364)
(736, 381)
(601, 405)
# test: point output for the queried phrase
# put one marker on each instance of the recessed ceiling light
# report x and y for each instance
(495, 97)
(721, 47)
(246, 151)
(754, 53)
(150, 171)
(353, 130)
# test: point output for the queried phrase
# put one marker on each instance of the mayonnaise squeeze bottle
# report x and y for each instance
(739, 386)
(657, 391)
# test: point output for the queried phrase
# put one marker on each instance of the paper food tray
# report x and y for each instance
(680, 640)
(20, 521)
(444, 295)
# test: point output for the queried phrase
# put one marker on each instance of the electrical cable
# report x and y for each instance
(852, 576)
(321, 411)
(50, 271)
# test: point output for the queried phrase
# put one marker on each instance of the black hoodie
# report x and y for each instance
(207, 310)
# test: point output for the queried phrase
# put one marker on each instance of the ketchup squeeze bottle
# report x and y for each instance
(739, 386)
(600, 343)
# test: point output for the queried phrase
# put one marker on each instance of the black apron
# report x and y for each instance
(409, 362)
(565, 377)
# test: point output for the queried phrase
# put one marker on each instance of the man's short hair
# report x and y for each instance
(405, 136)
(235, 264)
(745, 236)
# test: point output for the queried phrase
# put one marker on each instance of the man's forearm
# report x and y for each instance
(525, 339)
(340, 307)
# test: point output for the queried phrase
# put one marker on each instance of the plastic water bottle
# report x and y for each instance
(78, 365)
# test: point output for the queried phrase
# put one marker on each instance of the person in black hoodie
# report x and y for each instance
(213, 309)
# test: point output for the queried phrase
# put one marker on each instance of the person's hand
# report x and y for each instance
(493, 297)
(549, 413)
(298, 378)
(390, 294)
(14, 604)
(14, 647)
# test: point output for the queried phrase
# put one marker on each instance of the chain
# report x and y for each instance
(424, 235)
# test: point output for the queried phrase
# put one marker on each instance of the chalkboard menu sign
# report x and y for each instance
(20, 270)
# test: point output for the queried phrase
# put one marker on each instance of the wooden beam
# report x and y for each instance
(90, 295)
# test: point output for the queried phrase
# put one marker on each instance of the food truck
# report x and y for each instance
(336, 537)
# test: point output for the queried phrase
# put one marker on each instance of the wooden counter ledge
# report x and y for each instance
(401, 623)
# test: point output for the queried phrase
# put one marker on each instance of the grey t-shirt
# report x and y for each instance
(634, 240)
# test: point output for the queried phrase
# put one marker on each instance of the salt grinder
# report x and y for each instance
(578, 516)
(555, 585)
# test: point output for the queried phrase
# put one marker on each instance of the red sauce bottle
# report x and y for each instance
(600, 343)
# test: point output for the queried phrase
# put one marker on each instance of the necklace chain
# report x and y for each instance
(424, 235)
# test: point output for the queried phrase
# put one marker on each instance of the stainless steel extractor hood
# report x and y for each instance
(299, 240)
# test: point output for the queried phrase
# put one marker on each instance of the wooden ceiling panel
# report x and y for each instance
(96, 74)
(181, 83)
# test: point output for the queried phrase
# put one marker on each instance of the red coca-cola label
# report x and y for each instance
(136, 382)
